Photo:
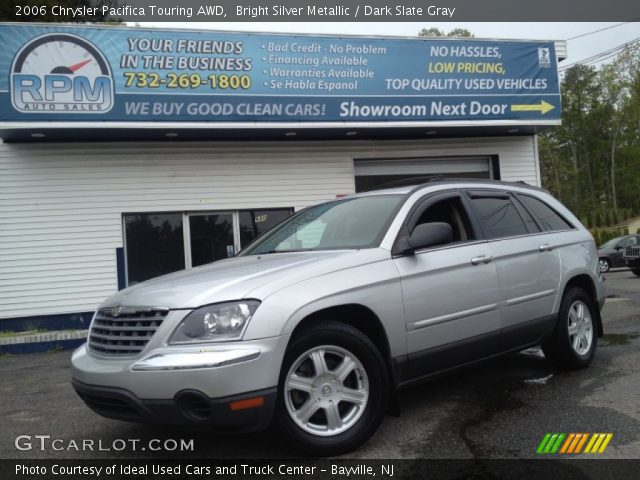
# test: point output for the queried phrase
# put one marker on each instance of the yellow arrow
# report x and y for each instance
(543, 107)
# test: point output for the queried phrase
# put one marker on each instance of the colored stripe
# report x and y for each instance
(567, 442)
(584, 439)
(605, 443)
(552, 440)
(596, 445)
(575, 442)
(594, 437)
(558, 443)
(543, 443)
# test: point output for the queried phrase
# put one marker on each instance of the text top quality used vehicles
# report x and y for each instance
(319, 322)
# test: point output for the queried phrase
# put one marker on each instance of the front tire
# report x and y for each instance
(333, 390)
(604, 264)
(574, 340)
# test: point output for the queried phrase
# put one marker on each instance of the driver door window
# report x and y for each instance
(452, 212)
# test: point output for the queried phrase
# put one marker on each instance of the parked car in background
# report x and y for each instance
(318, 323)
(631, 258)
(610, 255)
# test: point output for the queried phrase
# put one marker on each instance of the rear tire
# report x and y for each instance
(333, 390)
(636, 272)
(574, 340)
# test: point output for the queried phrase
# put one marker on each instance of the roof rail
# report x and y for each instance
(421, 181)
(517, 183)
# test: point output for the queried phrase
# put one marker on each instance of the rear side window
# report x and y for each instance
(547, 217)
(498, 216)
(528, 219)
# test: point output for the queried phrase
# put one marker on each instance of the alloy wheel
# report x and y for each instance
(580, 327)
(326, 390)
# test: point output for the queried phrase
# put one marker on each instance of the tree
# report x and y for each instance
(436, 32)
(461, 33)
(591, 161)
(431, 32)
(612, 88)
(628, 148)
(575, 139)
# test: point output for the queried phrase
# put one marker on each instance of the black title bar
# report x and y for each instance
(328, 10)
(327, 469)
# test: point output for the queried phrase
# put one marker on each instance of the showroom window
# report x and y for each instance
(161, 243)
(253, 223)
(154, 245)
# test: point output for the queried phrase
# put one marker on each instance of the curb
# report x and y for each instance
(38, 347)
(43, 342)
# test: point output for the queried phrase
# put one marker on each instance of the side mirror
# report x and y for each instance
(429, 235)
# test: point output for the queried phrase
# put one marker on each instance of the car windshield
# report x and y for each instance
(351, 223)
(610, 244)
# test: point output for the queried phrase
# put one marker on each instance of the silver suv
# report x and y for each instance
(319, 322)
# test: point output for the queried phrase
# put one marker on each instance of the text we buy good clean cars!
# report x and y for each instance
(318, 322)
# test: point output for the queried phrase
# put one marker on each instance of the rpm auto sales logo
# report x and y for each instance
(61, 73)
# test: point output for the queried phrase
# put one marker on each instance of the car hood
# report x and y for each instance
(253, 276)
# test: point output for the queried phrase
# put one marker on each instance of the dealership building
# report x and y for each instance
(129, 153)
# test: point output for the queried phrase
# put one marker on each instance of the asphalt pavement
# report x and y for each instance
(499, 409)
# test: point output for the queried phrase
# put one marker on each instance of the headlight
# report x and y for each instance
(215, 323)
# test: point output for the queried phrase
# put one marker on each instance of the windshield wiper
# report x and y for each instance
(286, 251)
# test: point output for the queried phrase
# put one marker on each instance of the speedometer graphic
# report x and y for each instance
(61, 73)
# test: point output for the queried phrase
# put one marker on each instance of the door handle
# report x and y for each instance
(481, 259)
(545, 247)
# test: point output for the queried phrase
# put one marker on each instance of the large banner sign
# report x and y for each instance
(119, 74)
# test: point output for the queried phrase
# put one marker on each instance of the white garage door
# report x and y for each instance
(372, 173)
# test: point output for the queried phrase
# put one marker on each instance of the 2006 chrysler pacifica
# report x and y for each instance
(317, 323)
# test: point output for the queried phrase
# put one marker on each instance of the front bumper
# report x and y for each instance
(196, 384)
(161, 372)
(248, 412)
(632, 262)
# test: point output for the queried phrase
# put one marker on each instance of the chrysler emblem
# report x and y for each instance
(115, 311)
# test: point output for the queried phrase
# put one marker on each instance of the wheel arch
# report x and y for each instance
(366, 321)
(585, 282)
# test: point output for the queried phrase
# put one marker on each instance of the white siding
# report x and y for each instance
(561, 49)
(61, 204)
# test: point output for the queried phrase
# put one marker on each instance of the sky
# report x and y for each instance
(578, 49)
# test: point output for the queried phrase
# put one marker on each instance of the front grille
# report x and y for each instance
(124, 331)
(632, 252)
